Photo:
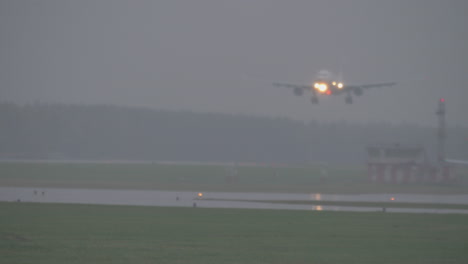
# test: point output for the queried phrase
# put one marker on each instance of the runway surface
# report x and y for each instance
(208, 199)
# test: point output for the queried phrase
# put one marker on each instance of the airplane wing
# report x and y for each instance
(463, 162)
(367, 86)
(298, 89)
(293, 86)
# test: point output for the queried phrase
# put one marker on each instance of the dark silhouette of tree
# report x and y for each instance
(62, 131)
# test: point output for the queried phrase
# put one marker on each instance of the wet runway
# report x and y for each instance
(190, 199)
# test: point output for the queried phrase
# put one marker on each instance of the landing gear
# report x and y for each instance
(298, 91)
(349, 99)
(314, 99)
(358, 91)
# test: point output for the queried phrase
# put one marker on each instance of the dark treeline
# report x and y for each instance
(103, 132)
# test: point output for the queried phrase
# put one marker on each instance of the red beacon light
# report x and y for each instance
(442, 100)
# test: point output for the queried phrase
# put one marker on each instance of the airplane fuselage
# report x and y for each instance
(326, 83)
(328, 87)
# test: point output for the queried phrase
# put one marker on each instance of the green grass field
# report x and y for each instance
(340, 179)
(53, 233)
(57, 233)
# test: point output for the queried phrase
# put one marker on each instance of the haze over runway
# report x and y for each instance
(223, 56)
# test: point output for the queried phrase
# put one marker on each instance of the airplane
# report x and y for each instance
(327, 84)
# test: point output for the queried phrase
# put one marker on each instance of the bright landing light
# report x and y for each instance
(321, 87)
(340, 85)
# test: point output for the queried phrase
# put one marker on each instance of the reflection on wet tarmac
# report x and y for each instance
(186, 199)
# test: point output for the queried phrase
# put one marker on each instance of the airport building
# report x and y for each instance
(400, 164)
(395, 163)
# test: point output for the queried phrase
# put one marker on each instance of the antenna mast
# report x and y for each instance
(441, 135)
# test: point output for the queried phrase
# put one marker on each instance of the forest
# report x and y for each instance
(109, 132)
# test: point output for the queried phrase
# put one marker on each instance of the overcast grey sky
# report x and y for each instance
(222, 56)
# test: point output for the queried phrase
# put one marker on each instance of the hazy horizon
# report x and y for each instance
(223, 56)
